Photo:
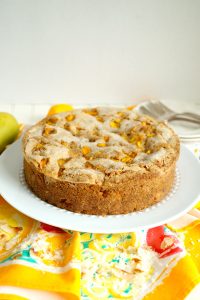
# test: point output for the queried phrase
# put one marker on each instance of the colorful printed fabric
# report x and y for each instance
(34, 255)
(38, 261)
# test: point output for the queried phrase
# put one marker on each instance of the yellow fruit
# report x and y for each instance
(117, 121)
(150, 135)
(131, 107)
(70, 117)
(61, 162)
(58, 108)
(43, 162)
(9, 129)
(52, 121)
(86, 150)
(106, 138)
(197, 205)
(99, 118)
(92, 112)
(48, 131)
(126, 159)
(101, 144)
(114, 124)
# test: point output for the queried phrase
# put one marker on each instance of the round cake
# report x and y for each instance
(100, 161)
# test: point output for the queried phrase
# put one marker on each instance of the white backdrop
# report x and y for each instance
(99, 50)
(88, 51)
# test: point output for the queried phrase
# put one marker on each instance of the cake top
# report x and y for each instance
(93, 145)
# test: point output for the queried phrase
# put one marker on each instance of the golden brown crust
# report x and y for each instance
(119, 198)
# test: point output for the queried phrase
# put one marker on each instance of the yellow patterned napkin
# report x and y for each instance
(148, 264)
(37, 256)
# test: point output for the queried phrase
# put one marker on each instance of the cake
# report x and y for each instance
(100, 161)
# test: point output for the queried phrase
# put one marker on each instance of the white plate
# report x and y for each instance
(183, 197)
(185, 129)
(190, 140)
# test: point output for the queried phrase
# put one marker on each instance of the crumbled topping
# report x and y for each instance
(99, 140)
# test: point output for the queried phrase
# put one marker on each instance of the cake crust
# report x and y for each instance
(119, 198)
(116, 177)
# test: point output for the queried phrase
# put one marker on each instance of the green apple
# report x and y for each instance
(9, 129)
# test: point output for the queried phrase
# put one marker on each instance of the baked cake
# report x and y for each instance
(100, 161)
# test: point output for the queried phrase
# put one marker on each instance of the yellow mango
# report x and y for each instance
(58, 108)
